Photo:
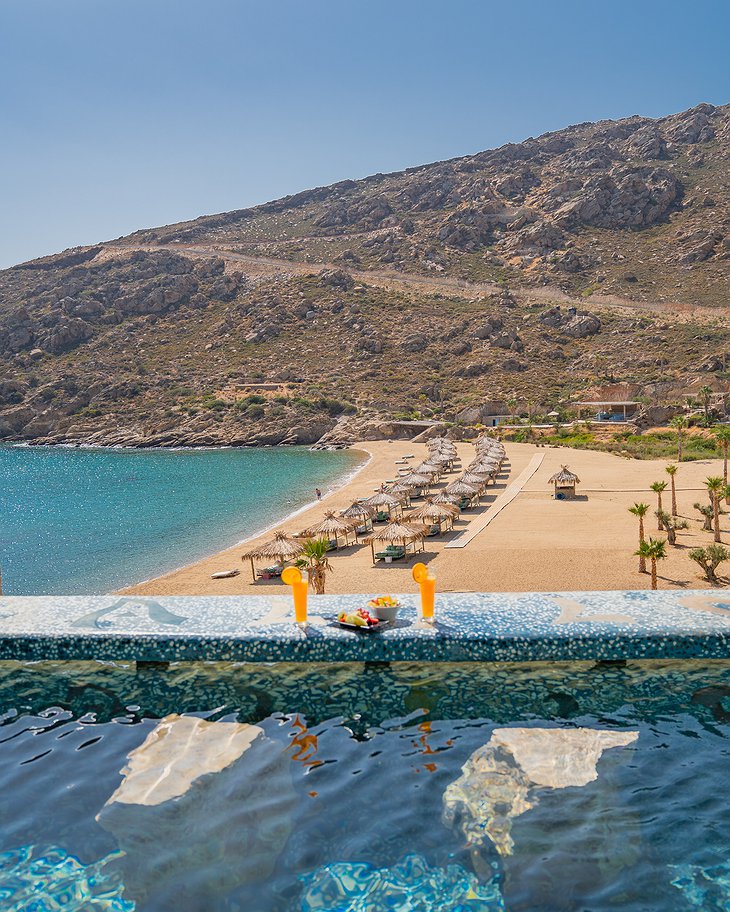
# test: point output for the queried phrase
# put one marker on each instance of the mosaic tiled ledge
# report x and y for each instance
(514, 627)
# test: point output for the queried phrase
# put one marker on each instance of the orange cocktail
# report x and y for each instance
(293, 577)
(427, 584)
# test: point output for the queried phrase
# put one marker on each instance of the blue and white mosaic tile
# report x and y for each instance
(513, 627)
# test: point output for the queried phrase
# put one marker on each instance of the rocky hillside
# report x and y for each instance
(386, 298)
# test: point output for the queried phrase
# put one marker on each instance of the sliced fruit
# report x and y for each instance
(420, 572)
(291, 575)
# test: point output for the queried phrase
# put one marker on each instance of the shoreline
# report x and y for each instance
(534, 544)
(333, 489)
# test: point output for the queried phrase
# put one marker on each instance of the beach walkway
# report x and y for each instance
(504, 499)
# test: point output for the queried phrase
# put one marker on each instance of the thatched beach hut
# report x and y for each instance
(361, 516)
(435, 514)
(277, 551)
(332, 529)
(395, 539)
(385, 503)
(564, 481)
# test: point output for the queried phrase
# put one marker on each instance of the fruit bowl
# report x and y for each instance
(385, 607)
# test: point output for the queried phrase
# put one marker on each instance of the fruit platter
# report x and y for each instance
(358, 620)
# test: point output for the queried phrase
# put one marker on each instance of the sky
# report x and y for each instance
(124, 114)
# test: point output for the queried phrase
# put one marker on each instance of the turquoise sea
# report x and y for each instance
(78, 521)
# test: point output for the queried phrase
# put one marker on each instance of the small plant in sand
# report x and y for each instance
(671, 525)
(640, 510)
(653, 550)
(709, 559)
(658, 487)
(707, 514)
(314, 561)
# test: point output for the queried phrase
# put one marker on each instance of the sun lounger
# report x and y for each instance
(390, 554)
(269, 572)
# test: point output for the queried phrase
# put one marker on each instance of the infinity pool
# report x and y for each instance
(206, 787)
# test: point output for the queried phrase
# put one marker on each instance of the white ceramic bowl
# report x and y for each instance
(383, 612)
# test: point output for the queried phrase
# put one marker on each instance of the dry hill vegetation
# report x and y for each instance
(519, 275)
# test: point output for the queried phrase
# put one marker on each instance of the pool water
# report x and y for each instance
(462, 787)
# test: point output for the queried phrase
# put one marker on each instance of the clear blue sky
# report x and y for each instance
(121, 114)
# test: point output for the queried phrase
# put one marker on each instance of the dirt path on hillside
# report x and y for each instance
(272, 267)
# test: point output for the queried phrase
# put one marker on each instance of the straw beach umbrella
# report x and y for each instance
(464, 490)
(332, 528)
(478, 479)
(281, 548)
(401, 491)
(434, 469)
(385, 503)
(443, 498)
(398, 533)
(360, 514)
(439, 514)
(417, 481)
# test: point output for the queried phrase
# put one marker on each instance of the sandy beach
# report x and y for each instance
(534, 543)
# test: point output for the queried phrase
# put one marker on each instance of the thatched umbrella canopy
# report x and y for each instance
(332, 528)
(484, 466)
(398, 533)
(496, 455)
(439, 459)
(471, 492)
(478, 479)
(385, 502)
(444, 498)
(439, 514)
(564, 476)
(565, 482)
(358, 511)
(281, 548)
(360, 514)
(438, 446)
(401, 491)
(429, 468)
(461, 487)
(416, 480)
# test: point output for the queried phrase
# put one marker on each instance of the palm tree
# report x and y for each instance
(640, 510)
(672, 471)
(716, 489)
(680, 425)
(655, 549)
(707, 512)
(657, 488)
(314, 561)
(723, 438)
(671, 525)
(709, 559)
(706, 393)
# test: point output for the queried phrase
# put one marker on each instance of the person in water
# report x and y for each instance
(318, 493)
